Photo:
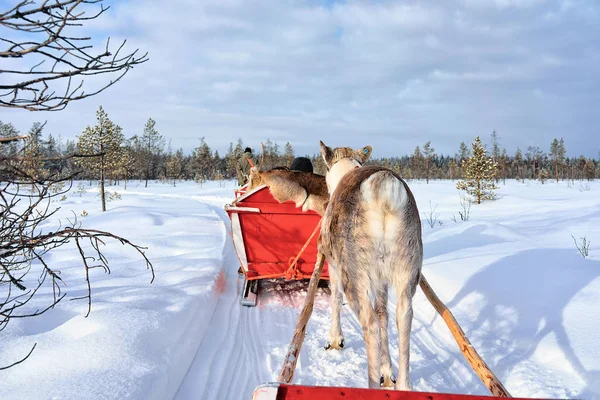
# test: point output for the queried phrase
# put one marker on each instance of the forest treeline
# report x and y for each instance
(149, 156)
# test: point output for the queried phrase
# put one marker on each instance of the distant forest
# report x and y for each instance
(149, 157)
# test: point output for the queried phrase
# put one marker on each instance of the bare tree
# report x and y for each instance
(44, 64)
(54, 55)
(24, 269)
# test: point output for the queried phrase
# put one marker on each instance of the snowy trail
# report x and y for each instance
(228, 361)
(244, 347)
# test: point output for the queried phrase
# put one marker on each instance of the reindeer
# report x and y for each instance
(371, 238)
(306, 189)
(389, 230)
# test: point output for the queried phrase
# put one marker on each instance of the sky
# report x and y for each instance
(391, 74)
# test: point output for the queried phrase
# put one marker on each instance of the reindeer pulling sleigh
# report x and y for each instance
(369, 231)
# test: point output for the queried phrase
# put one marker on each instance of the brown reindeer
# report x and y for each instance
(371, 237)
(306, 189)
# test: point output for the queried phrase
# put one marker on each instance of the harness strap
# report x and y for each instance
(293, 272)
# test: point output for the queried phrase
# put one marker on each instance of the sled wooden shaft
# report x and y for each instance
(289, 363)
(479, 366)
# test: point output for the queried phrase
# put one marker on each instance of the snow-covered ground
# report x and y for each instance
(526, 298)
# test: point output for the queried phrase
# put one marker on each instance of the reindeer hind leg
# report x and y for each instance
(381, 299)
(336, 337)
(359, 301)
(404, 316)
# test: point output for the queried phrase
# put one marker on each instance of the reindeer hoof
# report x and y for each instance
(389, 381)
(339, 345)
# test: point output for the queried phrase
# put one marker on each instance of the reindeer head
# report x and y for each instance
(341, 160)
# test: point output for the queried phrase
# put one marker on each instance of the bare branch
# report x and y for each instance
(21, 360)
(69, 54)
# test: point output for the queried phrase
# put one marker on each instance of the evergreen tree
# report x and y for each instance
(153, 144)
(203, 161)
(288, 154)
(504, 163)
(428, 153)
(534, 156)
(562, 152)
(230, 161)
(463, 152)
(479, 172)
(557, 153)
(495, 150)
(452, 167)
(33, 164)
(175, 165)
(127, 163)
(589, 169)
(417, 163)
(8, 130)
(495, 147)
(518, 164)
(103, 139)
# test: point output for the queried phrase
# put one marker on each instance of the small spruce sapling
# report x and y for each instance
(479, 172)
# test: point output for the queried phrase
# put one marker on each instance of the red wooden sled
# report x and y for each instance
(281, 391)
(268, 235)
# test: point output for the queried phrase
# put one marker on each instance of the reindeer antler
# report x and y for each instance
(262, 157)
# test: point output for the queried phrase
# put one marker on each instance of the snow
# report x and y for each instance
(526, 298)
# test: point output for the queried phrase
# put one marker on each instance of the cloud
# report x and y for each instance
(390, 74)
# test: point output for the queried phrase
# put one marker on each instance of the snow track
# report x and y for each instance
(244, 346)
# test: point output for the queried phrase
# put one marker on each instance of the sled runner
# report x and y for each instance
(268, 236)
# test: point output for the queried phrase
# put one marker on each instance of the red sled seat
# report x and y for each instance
(268, 235)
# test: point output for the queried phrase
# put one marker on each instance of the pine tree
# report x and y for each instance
(175, 165)
(505, 160)
(534, 155)
(495, 150)
(230, 161)
(557, 155)
(428, 153)
(518, 163)
(452, 169)
(462, 155)
(479, 172)
(203, 161)
(33, 164)
(104, 139)
(416, 163)
(288, 154)
(589, 169)
(8, 130)
(127, 162)
(153, 144)
(562, 152)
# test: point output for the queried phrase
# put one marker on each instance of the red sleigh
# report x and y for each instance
(268, 236)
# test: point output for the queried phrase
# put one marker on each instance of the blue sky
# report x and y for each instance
(390, 74)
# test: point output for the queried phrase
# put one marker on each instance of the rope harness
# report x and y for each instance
(293, 272)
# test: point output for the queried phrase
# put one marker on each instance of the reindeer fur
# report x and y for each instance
(371, 237)
(306, 189)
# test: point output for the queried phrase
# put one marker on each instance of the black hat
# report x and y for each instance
(248, 150)
(302, 164)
